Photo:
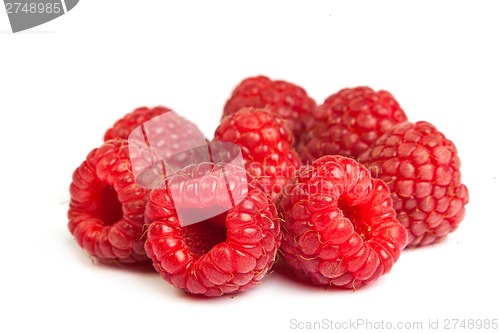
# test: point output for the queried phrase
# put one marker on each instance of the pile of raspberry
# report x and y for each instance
(333, 192)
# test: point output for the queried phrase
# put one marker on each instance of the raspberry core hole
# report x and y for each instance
(357, 216)
(109, 208)
(201, 237)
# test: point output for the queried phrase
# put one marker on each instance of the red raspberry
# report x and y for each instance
(227, 253)
(288, 100)
(106, 213)
(171, 134)
(266, 145)
(124, 126)
(339, 225)
(422, 170)
(348, 122)
(172, 137)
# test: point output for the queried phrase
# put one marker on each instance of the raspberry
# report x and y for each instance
(348, 122)
(172, 137)
(106, 213)
(285, 99)
(227, 253)
(339, 228)
(266, 145)
(166, 130)
(124, 126)
(422, 170)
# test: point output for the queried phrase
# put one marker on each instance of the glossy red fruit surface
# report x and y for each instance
(339, 227)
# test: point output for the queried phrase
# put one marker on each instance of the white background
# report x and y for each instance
(64, 83)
